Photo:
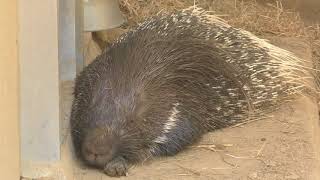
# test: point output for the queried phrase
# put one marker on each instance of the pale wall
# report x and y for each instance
(9, 139)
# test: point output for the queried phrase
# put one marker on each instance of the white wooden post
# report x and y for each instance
(49, 50)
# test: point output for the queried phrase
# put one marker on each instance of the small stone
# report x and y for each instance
(271, 164)
(220, 147)
(285, 131)
(292, 176)
(253, 175)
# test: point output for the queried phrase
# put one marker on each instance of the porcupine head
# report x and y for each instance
(121, 126)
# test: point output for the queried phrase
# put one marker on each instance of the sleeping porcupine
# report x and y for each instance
(161, 86)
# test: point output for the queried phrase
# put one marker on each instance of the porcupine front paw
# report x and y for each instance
(116, 167)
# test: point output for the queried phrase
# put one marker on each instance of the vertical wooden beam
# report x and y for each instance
(9, 106)
(70, 39)
(79, 35)
(39, 84)
(67, 40)
(71, 58)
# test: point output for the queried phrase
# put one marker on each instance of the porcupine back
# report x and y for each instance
(266, 75)
(174, 77)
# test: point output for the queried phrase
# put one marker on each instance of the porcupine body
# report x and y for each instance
(161, 86)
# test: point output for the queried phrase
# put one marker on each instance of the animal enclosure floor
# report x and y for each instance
(284, 146)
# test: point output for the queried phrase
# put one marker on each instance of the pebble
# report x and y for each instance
(253, 175)
(271, 164)
(292, 176)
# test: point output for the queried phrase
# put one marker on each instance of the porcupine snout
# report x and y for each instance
(99, 147)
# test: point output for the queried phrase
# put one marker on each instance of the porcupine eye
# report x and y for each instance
(98, 147)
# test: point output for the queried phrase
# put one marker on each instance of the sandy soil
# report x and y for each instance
(284, 146)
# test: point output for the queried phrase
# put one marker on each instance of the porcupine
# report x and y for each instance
(170, 80)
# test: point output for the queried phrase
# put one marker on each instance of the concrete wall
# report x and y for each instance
(9, 113)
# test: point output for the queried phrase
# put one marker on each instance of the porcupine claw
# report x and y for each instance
(116, 167)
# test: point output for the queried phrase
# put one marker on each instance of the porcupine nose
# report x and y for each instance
(98, 147)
